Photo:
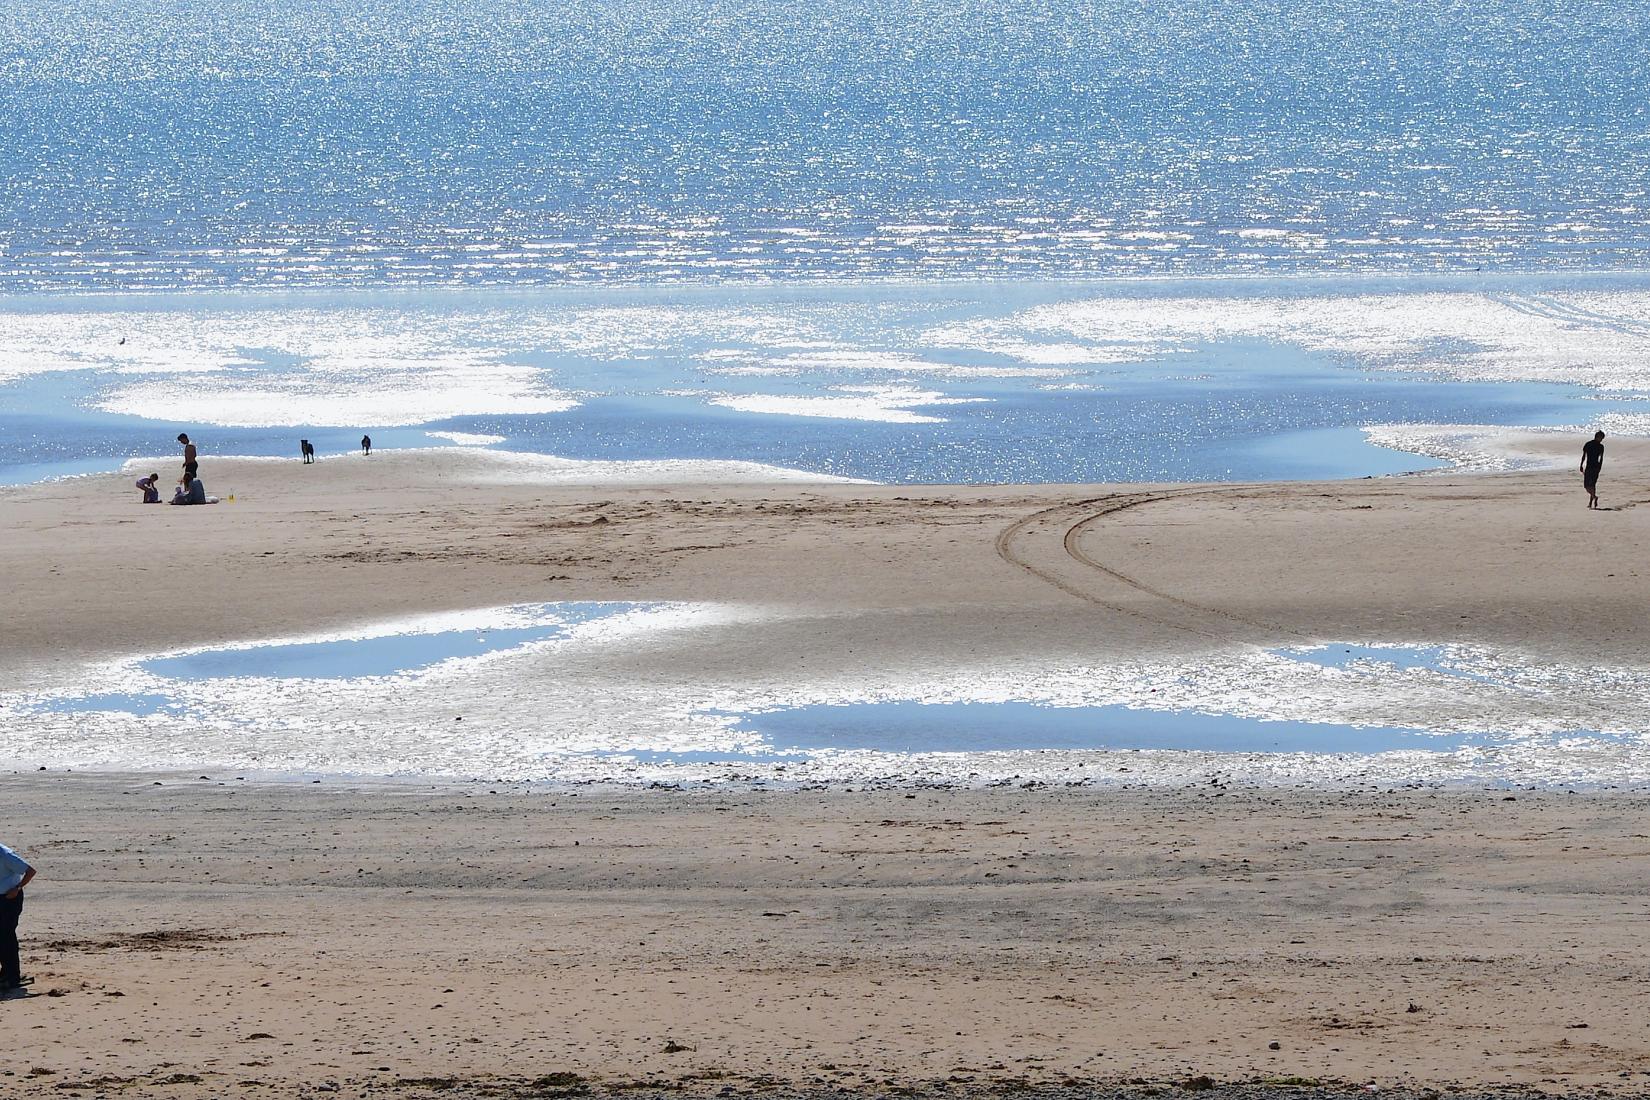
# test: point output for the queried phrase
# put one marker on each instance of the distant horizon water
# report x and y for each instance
(347, 143)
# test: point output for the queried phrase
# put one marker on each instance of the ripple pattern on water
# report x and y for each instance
(358, 142)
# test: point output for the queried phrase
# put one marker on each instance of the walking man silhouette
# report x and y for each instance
(1592, 461)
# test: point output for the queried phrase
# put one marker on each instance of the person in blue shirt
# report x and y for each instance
(15, 873)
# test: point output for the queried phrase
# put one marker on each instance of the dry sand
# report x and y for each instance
(388, 931)
(287, 935)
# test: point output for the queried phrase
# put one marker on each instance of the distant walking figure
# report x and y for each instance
(366, 444)
(1592, 461)
(307, 449)
(15, 874)
(190, 464)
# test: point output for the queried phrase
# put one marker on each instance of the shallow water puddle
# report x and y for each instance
(139, 704)
(1344, 655)
(911, 727)
(384, 655)
(704, 756)
(1334, 452)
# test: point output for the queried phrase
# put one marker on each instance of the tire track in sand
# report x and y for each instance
(1091, 510)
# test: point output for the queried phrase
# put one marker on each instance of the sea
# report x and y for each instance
(185, 145)
(900, 241)
(924, 241)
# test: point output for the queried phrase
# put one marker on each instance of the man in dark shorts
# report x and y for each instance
(190, 465)
(1592, 461)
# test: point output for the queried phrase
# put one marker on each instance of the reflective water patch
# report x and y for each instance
(911, 727)
(384, 655)
(120, 703)
(1343, 655)
(704, 756)
(1334, 452)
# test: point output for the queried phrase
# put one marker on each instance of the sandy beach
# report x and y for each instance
(269, 939)
(891, 551)
(216, 932)
(866, 570)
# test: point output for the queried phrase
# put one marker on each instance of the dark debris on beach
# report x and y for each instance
(712, 1085)
(564, 1086)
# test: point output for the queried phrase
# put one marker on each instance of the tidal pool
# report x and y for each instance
(1431, 658)
(912, 727)
(139, 704)
(384, 655)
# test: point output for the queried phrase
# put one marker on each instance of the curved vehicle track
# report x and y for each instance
(1076, 517)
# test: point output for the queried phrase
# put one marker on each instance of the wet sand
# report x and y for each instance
(863, 573)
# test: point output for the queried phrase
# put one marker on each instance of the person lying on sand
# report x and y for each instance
(150, 488)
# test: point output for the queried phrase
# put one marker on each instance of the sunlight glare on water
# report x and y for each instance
(358, 142)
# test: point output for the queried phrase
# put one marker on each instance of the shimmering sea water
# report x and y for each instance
(333, 143)
(240, 219)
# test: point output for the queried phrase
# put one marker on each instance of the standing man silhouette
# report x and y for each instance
(1592, 461)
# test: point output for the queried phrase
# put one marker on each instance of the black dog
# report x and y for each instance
(307, 449)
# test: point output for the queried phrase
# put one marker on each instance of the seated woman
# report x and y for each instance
(150, 488)
(194, 493)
